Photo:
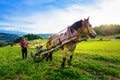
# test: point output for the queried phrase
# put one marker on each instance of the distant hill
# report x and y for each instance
(8, 37)
(45, 36)
(12, 32)
(19, 33)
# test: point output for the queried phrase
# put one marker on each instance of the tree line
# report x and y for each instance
(28, 37)
(106, 30)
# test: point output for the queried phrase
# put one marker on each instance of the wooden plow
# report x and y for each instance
(41, 54)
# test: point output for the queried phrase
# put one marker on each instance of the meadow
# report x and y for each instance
(93, 60)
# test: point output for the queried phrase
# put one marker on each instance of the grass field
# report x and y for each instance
(93, 60)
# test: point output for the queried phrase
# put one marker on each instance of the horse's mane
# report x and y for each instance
(76, 25)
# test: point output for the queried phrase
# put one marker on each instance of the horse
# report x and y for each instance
(75, 30)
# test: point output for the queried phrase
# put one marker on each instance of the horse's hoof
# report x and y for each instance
(46, 59)
(69, 63)
(62, 65)
(50, 59)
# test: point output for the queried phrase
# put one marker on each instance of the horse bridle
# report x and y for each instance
(83, 29)
(88, 30)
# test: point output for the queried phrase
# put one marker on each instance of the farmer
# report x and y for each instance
(24, 45)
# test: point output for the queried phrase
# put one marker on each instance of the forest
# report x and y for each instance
(105, 30)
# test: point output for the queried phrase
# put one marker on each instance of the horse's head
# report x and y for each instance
(87, 28)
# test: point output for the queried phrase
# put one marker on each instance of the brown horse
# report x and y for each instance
(79, 27)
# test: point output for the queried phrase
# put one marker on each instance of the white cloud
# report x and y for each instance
(108, 13)
(104, 12)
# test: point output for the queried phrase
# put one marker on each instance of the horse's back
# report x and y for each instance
(52, 41)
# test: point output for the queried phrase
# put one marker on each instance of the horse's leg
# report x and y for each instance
(64, 56)
(71, 56)
(72, 49)
(49, 56)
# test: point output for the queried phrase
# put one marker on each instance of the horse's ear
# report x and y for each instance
(88, 18)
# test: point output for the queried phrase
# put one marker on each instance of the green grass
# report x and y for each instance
(95, 60)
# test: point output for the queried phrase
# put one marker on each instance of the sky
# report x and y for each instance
(52, 16)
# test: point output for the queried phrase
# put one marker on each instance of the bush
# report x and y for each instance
(101, 39)
(117, 37)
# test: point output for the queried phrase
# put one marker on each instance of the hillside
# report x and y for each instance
(8, 37)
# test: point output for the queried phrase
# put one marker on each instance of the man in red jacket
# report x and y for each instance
(24, 45)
